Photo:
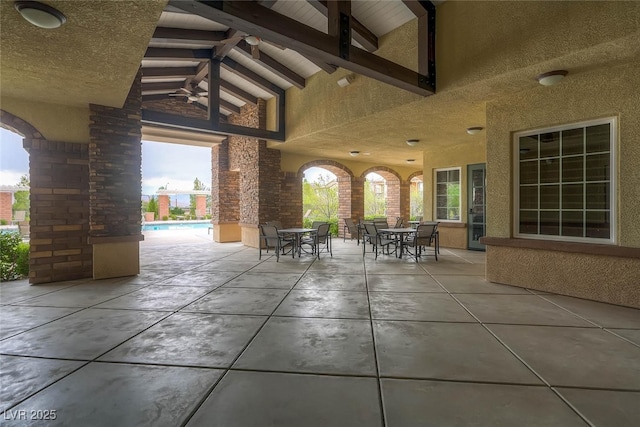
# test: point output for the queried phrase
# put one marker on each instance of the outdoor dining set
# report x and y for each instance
(416, 240)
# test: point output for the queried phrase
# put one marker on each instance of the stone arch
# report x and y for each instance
(398, 203)
(415, 175)
(350, 189)
(19, 126)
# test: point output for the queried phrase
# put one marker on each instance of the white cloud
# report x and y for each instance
(8, 177)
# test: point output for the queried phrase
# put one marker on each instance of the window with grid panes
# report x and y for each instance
(447, 194)
(564, 182)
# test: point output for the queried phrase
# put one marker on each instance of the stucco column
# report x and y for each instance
(163, 206)
(201, 205)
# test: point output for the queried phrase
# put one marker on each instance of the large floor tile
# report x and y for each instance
(453, 351)
(22, 376)
(328, 346)
(225, 265)
(84, 295)
(190, 339)
(404, 283)
(434, 307)
(391, 265)
(335, 268)
(264, 280)
(578, 357)
(605, 407)
(332, 282)
(605, 315)
(632, 335)
(460, 284)
(83, 335)
(333, 304)
(456, 267)
(239, 301)
(21, 290)
(518, 309)
(107, 394)
(285, 265)
(160, 298)
(433, 403)
(248, 399)
(206, 279)
(15, 319)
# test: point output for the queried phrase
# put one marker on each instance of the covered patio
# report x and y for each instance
(220, 338)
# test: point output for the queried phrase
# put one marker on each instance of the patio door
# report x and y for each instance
(476, 224)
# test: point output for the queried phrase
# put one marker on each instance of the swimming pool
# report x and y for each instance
(174, 225)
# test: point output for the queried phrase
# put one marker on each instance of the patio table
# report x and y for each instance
(297, 233)
(400, 232)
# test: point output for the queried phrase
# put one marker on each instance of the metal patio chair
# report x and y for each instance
(270, 237)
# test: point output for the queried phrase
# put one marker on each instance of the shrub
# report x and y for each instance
(9, 253)
(22, 262)
(3, 222)
(333, 224)
(165, 218)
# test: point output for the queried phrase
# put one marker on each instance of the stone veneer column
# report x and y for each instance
(115, 154)
(59, 198)
(225, 189)
(163, 206)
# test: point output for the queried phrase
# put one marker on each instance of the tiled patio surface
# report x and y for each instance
(209, 335)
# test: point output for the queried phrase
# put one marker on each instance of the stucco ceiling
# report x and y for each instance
(93, 58)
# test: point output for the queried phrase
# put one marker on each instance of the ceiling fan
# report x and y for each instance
(192, 95)
(252, 41)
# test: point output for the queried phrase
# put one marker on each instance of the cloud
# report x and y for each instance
(8, 177)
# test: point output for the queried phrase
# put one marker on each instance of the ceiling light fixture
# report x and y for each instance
(40, 15)
(474, 130)
(353, 153)
(551, 78)
(412, 142)
(252, 40)
(346, 81)
(411, 160)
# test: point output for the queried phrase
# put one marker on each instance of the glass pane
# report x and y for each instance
(477, 178)
(441, 176)
(572, 169)
(598, 225)
(529, 222)
(442, 213)
(549, 197)
(529, 197)
(550, 170)
(478, 196)
(528, 147)
(550, 223)
(529, 172)
(453, 213)
(478, 232)
(550, 144)
(598, 167)
(441, 189)
(572, 224)
(454, 175)
(477, 217)
(598, 196)
(572, 196)
(598, 138)
(573, 141)
(441, 201)
(453, 195)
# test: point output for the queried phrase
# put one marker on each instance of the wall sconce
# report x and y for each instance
(412, 142)
(40, 15)
(474, 130)
(346, 81)
(354, 153)
(552, 77)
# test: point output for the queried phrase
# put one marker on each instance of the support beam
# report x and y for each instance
(168, 72)
(239, 69)
(168, 35)
(168, 54)
(425, 11)
(229, 106)
(254, 19)
(419, 7)
(224, 49)
(272, 65)
(360, 33)
(157, 87)
(238, 93)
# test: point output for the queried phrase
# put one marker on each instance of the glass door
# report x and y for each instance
(476, 224)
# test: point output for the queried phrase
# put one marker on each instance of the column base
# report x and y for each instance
(224, 233)
(116, 256)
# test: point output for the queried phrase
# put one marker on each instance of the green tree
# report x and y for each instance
(321, 198)
(375, 202)
(22, 197)
(416, 197)
(197, 185)
(152, 206)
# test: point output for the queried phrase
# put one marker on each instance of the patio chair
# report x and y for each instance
(18, 217)
(425, 234)
(316, 224)
(270, 237)
(381, 222)
(278, 225)
(399, 222)
(320, 241)
(352, 228)
(372, 236)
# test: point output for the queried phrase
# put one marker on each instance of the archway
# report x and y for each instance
(416, 195)
(395, 192)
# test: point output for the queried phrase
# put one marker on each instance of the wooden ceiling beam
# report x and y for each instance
(360, 33)
(229, 106)
(419, 7)
(165, 35)
(272, 65)
(257, 20)
(247, 74)
(238, 93)
(168, 54)
(166, 86)
(425, 11)
(168, 72)
(223, 50)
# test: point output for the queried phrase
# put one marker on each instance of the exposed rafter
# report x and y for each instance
(229, 106)
(224, 49)
(168, 35)
(158, 73)
(169, 54)
(237, 92)
(360, 33)
(166, 87)
(272, 65)
(262, 22)
(239, 69)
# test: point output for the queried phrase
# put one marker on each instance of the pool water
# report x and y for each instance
(175, 225)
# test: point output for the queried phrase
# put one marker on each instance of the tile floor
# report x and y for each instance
(208, 335)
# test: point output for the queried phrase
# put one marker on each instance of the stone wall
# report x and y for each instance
(291, 200)
(59, 197)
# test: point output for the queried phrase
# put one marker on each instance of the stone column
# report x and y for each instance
(115, 154)
(393, 200)
(344, 203)
(357, 198)
(163, 206)
(225, 189)
(405, 200)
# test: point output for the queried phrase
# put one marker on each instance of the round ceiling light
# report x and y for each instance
(40, 15)
(353, 153)
(551, 78)
(412, 142)
(411, 160)
(474, 130)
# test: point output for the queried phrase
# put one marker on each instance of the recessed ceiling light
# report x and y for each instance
(551, 78)
(40, 15)
(411, 160)
(474, 130)
(353, 153)
(412, 142)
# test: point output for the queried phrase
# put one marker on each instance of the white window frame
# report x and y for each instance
(613, 129)
(435, 194)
